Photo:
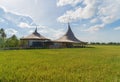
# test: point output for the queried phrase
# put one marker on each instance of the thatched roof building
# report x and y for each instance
(68, 37)
(68, 40)
(35, 40)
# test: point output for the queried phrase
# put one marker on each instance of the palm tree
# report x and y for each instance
(2, 36)
(2, 33)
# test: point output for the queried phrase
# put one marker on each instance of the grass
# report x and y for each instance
(99, 64)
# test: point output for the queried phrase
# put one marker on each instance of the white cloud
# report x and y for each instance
(95, 28)
(108, 19)
(80, 13)
(10, 19)
(36, 1)
(97, 11)
(26, 25)
(2, 20)
(11, 31)
(66, 2)
(53, 33)
(117, 28)
(57, 34)
(94, 20)
(109, 11)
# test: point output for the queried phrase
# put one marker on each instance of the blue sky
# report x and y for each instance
(91, 20)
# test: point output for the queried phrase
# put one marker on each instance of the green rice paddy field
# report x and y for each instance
(98, 64)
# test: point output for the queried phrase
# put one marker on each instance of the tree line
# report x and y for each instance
(5, 42)
(103, 43)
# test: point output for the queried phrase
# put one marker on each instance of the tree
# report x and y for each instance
(2, 38)
(12, 41)
(2, 33)
(1, 42)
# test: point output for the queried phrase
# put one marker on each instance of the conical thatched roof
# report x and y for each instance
(34, 36)
(69, 37)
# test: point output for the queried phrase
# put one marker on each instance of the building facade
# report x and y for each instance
(36, 40)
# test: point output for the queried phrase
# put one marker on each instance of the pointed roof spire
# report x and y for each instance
(36, 30)
(69, 32)
(68, 25)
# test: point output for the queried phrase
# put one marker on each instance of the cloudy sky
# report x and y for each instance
(91, 20)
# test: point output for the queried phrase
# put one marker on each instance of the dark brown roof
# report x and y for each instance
(69, 37)
(35, 36)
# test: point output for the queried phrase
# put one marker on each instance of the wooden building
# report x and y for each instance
(35, 40)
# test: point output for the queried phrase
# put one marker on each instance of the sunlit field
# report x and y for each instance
(98, 64)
